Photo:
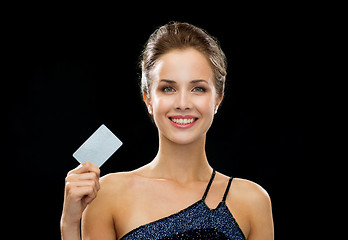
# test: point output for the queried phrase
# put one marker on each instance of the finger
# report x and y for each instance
(82, 184)
(78, 190)
(81, 179)
(89, 176)
(81, 192)
(88, 198)
(92, 168)
(82, 176)
(84, 168)
(73, 187)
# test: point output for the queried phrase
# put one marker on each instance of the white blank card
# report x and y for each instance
(98, 147)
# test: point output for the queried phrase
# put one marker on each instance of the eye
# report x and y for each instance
(168, 89)
(198, 89)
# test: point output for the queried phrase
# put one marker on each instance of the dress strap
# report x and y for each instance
(209, 184)
(227, 189)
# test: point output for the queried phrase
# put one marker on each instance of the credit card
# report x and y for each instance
(98, 147)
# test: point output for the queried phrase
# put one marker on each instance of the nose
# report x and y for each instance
(183, 101)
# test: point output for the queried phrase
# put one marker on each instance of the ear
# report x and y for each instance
(146, 98)
(147, 101)
(218, 102)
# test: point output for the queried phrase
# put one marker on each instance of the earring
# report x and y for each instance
(149, 109)
(216, 110)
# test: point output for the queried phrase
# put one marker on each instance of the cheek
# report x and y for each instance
(161, 105)
(205, 106)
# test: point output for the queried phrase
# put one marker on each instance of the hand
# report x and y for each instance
(81, 187)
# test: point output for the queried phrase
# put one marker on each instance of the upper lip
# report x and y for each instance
(183, 117)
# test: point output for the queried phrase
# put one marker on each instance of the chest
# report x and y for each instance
(146, 201)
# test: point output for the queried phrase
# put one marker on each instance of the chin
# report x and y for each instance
(184, 139)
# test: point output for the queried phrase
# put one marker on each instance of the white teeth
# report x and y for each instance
(182, 121)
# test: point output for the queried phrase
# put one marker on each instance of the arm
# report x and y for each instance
(261, 220)
(81, 187)
(97, 219)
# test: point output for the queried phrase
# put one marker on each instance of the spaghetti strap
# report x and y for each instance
(227, 189)
(209, 184)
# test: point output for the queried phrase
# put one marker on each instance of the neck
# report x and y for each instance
(181, 162)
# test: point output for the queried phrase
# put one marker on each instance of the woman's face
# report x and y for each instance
(183, 97)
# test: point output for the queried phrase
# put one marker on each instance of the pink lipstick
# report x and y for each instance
(183, 121)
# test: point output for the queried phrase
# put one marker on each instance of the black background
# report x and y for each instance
(73, 69)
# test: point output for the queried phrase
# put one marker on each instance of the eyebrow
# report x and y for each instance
(167, 81)
(192, 82)
(198, 81)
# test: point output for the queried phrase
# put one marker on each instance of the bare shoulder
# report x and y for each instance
(251, 192)
(118, 178)
(256, 217)
(115, 183)
(98, 220)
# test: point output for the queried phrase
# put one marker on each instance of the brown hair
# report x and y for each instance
(176, 35)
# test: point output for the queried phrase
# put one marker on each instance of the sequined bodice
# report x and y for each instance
(197, 221)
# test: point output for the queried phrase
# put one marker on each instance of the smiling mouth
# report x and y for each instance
(183, 120)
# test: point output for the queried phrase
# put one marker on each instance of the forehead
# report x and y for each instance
(182, 65)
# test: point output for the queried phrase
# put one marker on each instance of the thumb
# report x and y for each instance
(87, 200)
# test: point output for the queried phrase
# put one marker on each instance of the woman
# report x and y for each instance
(177, 195)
